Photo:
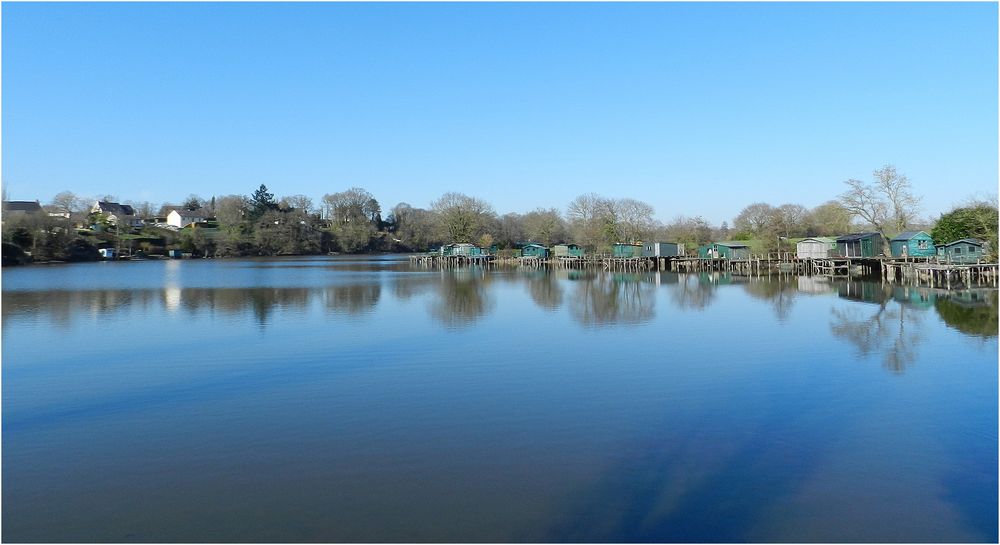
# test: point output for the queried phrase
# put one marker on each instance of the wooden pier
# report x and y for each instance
(916, 271)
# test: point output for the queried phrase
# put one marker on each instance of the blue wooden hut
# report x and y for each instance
(912, 244)
(859, 245)
(966, 250)
(533, 249)
(567, 250)
(626, 249)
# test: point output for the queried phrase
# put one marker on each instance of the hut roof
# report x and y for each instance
(22, 206)
(732, 244)
(974, 241)
(855, 237)
(824, 240)
(907, 235)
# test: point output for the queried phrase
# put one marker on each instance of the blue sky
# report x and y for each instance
(698, 109)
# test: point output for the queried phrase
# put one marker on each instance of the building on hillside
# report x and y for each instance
(815, 247)
(912, 244)
(859, 245)
(18, 208)
(662, 249)
(181, 218)
(118, 214)
(966, 250)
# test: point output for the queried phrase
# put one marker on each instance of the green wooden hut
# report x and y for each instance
(912, 244)
(859, 245)
(624, 249)
(727, 250)
(966, 250)
(533, 249)
(463, 248)
(567, 250)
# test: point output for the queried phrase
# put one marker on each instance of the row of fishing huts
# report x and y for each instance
(906, 244)
(533, 249)
(903, 245)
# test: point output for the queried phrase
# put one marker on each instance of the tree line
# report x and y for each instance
(353, 221)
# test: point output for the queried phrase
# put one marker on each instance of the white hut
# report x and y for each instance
(815, 247)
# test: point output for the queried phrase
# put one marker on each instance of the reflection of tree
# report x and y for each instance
(60, 306)
(405, 286)
(890, 327)
(544, 289)
(693, 291)
(611, 299)
(973, 312)
(352, 299)
(779, 292)
(463, 297)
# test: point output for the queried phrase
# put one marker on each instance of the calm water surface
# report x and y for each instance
(360, 399)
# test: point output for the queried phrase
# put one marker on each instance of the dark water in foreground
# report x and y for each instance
(335, 399)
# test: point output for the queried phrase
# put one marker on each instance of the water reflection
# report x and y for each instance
(460, 297)
(463, 297)
(892, 327)
(779, 292)
(606, 299)
(545, 292)
(695, 291)
(973, 312)
(353, 299)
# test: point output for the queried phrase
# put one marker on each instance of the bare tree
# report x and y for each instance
(756, 218)
(68, 202)
(634, 219)
(545, 226)
(829, 218)
(299, 202)
(790, 219)
(888, 203)
(232, 209)
(354, 205)
(902, 203)
(462, 218)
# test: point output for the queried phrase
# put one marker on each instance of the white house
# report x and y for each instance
(180, 218)
(117, 213)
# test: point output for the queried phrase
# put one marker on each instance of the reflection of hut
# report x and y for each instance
(912, 244)
(868, 292)
(859, 245)
(728, 250)
(966, 250)
(534, 250)
(815, 248)
(814, 284)
(624, 249)
(567, 250)
(913, 296)
(662, 249)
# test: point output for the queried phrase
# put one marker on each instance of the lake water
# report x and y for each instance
(365, 399)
